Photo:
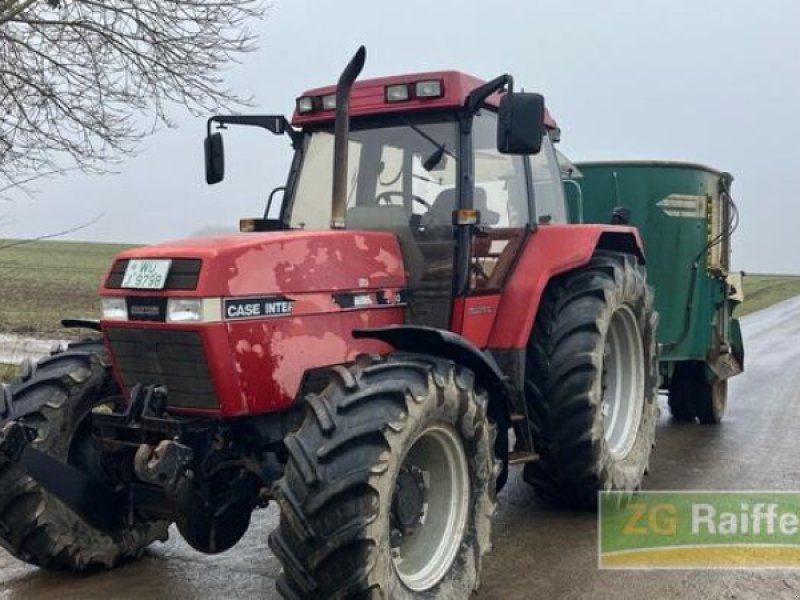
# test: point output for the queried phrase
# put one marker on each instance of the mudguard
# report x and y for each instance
(93, 324)
(551, 251)
(444, 344)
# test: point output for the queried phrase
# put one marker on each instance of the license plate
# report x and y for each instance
(150, 274)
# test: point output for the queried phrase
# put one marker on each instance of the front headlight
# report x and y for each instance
(114, 308)
(184, 309)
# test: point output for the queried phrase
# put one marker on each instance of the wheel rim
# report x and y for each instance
(422, 554)
(622, 382)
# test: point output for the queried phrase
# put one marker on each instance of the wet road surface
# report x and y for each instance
(540, 552)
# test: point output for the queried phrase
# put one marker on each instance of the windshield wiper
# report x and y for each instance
(436, 157)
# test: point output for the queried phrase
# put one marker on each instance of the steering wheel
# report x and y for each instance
(385, 198)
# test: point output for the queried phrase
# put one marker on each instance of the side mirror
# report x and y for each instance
(520, 123)
(215, 158)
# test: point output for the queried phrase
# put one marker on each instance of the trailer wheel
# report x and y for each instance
(681, 394)
(692, 395)
(591, 382)
(712, 399)
(34, 526)
(389, 488)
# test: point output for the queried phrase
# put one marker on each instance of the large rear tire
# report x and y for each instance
(389, 488)
(591, 382)
(35, 527)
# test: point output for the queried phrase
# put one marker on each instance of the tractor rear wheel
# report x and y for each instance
(389, 488)
(591, 382)
(34, 526)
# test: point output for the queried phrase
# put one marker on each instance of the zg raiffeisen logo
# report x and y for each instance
(699, 530)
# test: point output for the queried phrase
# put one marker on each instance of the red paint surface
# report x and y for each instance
(477, 316)
(257, 365)
(552, 250)
(269, 357)
(368, 96)
(284, 262)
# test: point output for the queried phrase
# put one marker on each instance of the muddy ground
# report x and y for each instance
(539, 552)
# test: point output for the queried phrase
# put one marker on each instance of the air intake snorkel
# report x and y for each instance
(341, 132)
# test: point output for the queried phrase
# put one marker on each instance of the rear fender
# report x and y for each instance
(551, 251)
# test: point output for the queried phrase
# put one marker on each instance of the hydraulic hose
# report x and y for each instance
(733, 223)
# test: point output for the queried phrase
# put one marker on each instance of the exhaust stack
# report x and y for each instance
(341, 133)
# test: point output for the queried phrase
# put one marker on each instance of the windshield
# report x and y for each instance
(401, 165)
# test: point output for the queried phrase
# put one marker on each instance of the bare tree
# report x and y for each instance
(81, 81)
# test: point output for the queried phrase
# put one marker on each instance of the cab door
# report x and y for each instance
(501, 197)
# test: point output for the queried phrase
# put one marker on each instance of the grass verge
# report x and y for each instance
(762, 291)
(8, 372)
(43, 282)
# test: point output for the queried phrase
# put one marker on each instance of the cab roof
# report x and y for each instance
(368, 97)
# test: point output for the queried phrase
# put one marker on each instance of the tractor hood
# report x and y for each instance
(283, 262)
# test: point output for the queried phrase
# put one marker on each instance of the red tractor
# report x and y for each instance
(374, 363)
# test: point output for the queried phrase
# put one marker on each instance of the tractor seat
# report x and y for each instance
(441, 211)
(395, 220)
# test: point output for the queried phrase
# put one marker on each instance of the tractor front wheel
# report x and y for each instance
(591, 382)
(34, 525)
(389, 488)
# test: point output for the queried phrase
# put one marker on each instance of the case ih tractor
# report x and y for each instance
(418, 317)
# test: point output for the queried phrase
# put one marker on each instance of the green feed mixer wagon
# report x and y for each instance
(685, 215)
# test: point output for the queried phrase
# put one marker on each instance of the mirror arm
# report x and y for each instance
(481, 93)
(281, 188)
(276, 124)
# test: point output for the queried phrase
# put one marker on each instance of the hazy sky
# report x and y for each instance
(711, 82)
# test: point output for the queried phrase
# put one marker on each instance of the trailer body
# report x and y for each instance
(684, 214)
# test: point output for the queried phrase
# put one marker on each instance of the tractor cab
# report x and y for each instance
(423, 162)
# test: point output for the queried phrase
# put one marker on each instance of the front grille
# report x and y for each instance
(183, 274)
(172, 358)
(147, 308)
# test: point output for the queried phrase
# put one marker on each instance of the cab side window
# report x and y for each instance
(501, 197)
(548, 191)
(500, 192)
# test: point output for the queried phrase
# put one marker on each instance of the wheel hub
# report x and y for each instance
(408, 506)
(430, 508)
